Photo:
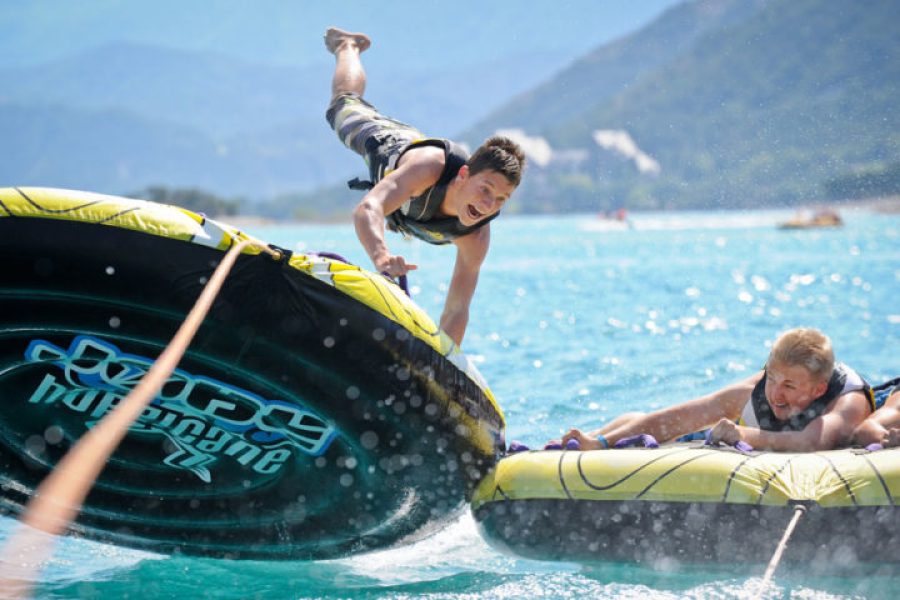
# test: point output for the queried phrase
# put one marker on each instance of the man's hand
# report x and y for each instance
(892, 438)
(868, 432)
(585, 442)
(419, 169)
(725, 431)
(394, 265)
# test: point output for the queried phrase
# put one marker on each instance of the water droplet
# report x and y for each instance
(53, 434)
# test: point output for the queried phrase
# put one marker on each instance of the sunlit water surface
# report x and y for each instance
(574, 322)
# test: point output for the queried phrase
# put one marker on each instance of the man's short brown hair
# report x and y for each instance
(499, 154)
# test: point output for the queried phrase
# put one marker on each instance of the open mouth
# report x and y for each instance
(473, 212)
(781, 408)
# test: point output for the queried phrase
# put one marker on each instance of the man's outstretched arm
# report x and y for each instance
(668, 423)
(470, 252)
(388, 195)
(877, 428)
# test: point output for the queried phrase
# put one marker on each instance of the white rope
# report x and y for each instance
(60, 496)
(799, 510)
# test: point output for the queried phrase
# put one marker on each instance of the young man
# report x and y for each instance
(883, 427)
(801, 401)
(424, 187)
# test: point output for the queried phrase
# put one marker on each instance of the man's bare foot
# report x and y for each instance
(335, 37)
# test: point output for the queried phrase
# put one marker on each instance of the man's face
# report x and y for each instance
(791, 389)
(481, 195)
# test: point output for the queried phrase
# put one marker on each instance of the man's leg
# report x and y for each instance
(357, 123)
(349, 75)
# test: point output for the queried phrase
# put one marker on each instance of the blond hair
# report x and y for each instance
(807, 348)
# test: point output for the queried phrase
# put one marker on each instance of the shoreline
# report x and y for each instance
(883, 205)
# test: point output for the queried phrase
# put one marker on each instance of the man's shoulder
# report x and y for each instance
(428, 160)
(426, 153)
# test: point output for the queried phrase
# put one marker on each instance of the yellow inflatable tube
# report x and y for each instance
(690, 502)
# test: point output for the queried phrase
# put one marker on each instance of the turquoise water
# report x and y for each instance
(573, 323)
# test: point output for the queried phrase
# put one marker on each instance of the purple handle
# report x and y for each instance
(643, 439)
(874, 447)
(570, 445)
(401, 281)
(742, 446)
(332, 255)
(515, 446)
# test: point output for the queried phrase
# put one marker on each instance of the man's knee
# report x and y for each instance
(337, 103)
(345, 101)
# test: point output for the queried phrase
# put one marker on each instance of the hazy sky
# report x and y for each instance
(420, 33)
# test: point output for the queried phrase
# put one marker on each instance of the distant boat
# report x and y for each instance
(614, 220)
(821, 218)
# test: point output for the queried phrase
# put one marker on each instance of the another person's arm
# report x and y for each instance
(417, 174)
(668, 423)
(883, 427)
(471, 250)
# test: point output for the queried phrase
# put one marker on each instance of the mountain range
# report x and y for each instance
(731, 103)
(124, 116)
(715, 103)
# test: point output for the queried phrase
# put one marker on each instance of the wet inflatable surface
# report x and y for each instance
(693, 503)
(319, 412)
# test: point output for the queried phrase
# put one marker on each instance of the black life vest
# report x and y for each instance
(419, 216)
(843, 380)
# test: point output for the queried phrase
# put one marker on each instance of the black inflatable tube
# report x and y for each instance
(279, 346)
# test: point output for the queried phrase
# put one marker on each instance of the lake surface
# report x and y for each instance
(574, 322)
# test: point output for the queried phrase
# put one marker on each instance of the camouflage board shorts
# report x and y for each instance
(375, 137)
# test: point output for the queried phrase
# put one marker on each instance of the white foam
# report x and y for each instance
(455, 549)
(688, 221)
